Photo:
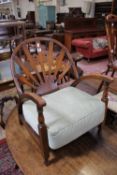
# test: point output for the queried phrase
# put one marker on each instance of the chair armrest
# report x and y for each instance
(106, 79)
(98, 76)
(40, 102)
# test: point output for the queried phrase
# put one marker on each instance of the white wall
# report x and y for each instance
(71, 3)
(77, 3)
(25, 6)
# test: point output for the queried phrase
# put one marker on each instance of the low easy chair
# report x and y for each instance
(50, 106)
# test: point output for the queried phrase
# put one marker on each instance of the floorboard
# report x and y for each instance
(88, 155)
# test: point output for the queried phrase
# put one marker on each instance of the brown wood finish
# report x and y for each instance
(114, 7)
(45, 71)
(111, 31)
(42, 67)
(88, 155)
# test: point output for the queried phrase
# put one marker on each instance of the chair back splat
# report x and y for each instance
(43, 64)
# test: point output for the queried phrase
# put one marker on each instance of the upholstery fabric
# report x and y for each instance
(69, 113)
(100, 43)
(91, 47)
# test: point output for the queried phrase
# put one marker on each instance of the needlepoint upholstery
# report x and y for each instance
(69, 113)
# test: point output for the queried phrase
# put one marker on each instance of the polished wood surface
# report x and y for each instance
(88, 155)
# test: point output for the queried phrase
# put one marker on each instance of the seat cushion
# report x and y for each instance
(69, 113)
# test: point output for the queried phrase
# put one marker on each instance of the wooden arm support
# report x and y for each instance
(97, 76)
(104, 78)
(40, 102)
(106, 82)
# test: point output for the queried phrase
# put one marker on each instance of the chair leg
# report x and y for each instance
(113, 72)
(44, 143)
(20, 120)
(100, 129)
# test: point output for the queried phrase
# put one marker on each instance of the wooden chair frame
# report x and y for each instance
(111, 25)
(61, 78)
(111, 32)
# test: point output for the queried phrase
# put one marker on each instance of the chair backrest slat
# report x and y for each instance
(42, 61)
(23, 80)
(50, 56)
(59, 60)
(32, 63)
(26, 71)
(66, 69)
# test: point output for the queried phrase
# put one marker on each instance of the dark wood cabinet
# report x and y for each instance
(101, 10)
(114, 7)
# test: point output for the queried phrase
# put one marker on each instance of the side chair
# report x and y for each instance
(111, 31)
(51, 107)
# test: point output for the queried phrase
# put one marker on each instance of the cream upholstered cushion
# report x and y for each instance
(69, 113)
(112, 100)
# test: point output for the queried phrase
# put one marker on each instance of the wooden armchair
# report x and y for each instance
(111, 31)
(55, 111)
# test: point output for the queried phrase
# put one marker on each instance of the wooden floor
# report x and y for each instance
(88, 155)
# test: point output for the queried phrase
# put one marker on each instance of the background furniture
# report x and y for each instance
(81, 27)
(101, 10)
(111, 30)
(73, 12)
(114, 7)
(46, 69)
(30, 17)
(46, 14)
(2, 104)
(6, 82)
(11, 32)
(86, 47)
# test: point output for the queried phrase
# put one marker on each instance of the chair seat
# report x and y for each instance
(69, 113)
